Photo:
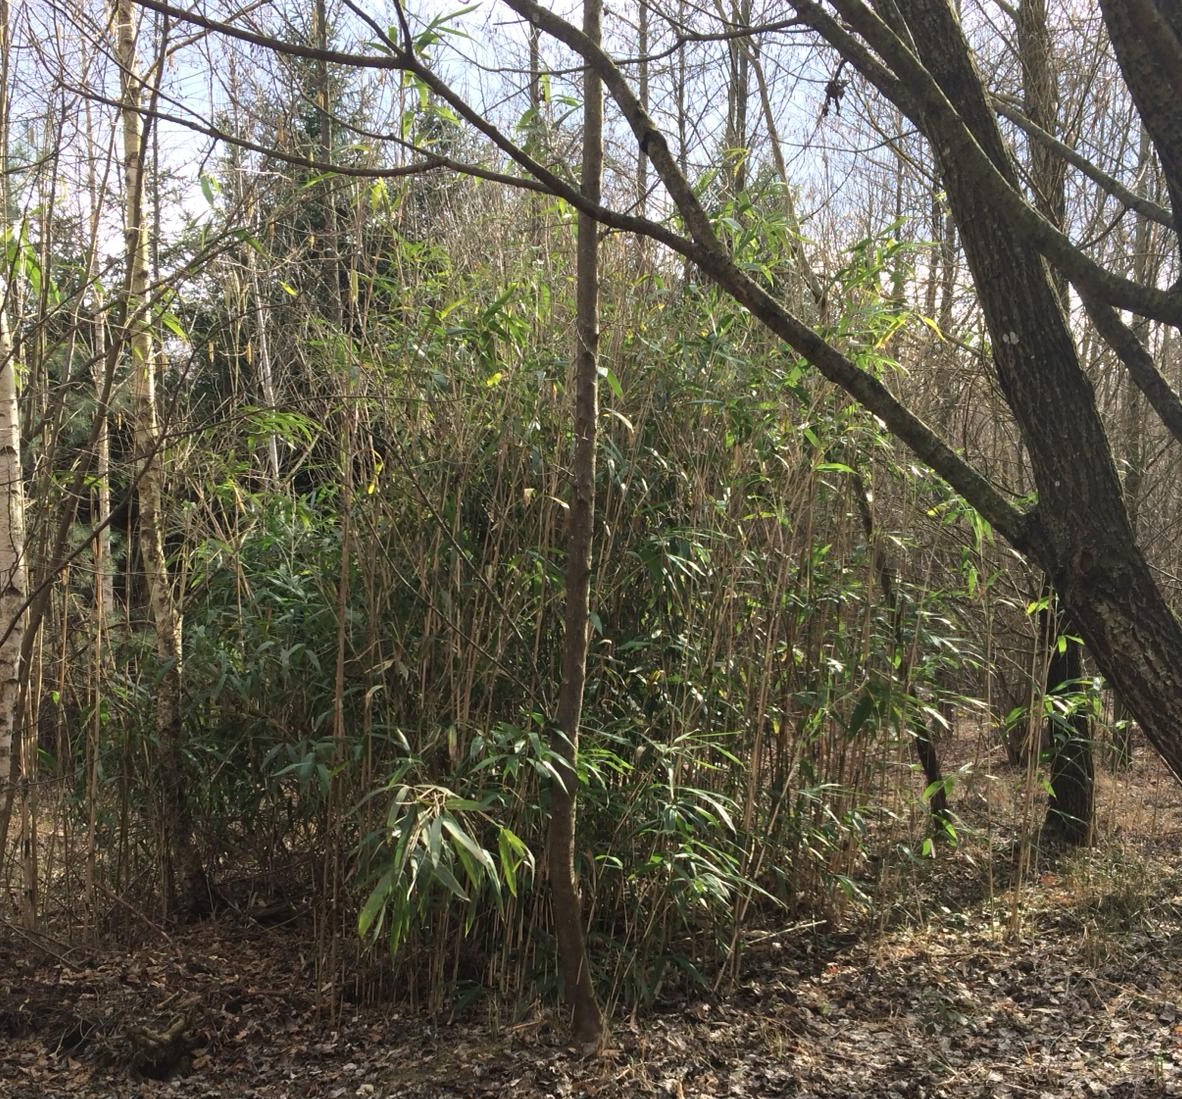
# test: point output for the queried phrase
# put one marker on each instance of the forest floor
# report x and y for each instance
(1067, 982)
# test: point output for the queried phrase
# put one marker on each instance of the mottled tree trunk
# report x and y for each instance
(13, 578)
(13, 573)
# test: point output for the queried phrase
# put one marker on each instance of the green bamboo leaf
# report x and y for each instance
(461, 840)
(434, 840)
(375, 905)
(448, 879)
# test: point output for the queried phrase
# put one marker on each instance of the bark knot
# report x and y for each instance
(1082, 563)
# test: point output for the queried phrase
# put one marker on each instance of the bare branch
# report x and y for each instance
(1131, 200)
(928, 107)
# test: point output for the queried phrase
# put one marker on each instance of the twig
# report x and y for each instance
(35, 938)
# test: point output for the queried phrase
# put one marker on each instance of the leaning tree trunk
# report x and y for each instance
(1079, 530)
(1081, 535)
(587, 1022)
(180, 867)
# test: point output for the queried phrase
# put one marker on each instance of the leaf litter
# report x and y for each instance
(1065, 983)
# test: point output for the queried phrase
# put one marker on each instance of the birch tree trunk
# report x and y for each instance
(13, 579)
(181, 874)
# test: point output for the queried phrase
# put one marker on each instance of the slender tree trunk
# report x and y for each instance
(1072, 771)
(738, 96)
(796, 237)
(13, 581)
(642, 90)
(921, 736)
(935, 231)
(104, 591)
(330, 251)
(182, 879)
(259, 345)
(104, 572)
(13, 575)
(681, 79)
(587, 1022)
(1069, 736)
(262, 357)
(535, 136)
(1134, 409)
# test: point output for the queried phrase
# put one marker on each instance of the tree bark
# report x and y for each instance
(1069, 737)
(921, 737)
(182, 878)
(1084, 539)
(587, 1021)
(1146, 36)
(1069, 740)
(13, 577)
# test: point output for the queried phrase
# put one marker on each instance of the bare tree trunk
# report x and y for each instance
(587, 1021)
(642, 46)
(104, 572)
(13, 577)
(1072, 774)
(1040, 101)
(738, 94)
(796, 240)
(262, 363)
(921, 736)
(1069, 739)
(330, 261)
(535, 134)
(182, 880)
(13, 581)
(947, 272)
(680, 91)
(1134, 410)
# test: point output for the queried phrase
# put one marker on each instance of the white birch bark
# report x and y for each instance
(13, 575)
(13, 580)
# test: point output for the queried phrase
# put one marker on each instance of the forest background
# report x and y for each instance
(381, 487)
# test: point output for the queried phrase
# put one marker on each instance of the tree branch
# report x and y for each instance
(926, 105)
(1151, 211)
(1019, 528)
